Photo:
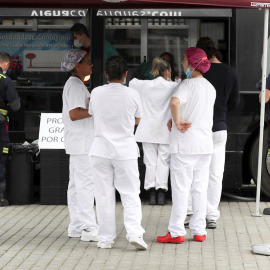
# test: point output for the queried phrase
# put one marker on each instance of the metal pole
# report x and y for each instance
(264, 64)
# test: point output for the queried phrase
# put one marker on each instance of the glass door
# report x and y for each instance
(124, 34)
(171, 37)
(140, 40)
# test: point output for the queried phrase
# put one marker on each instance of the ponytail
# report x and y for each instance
(159, 66)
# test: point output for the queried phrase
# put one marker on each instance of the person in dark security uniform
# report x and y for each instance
(9, 98)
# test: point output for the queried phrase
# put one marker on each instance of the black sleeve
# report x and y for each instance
(15, 105)
(11, 93)
(234, 98)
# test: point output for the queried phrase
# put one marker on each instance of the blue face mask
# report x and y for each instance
(188, 73)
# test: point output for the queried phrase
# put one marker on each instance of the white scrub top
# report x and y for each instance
(197, 97)
(78, 134)
(114, 108)
(156, 96)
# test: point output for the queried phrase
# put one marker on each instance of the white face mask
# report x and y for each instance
(125, 81)
(5, 70)
(77, 43)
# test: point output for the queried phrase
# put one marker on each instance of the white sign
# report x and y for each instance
(51, 131)
(48, 60)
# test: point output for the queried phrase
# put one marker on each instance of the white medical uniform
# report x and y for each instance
(114, 155)
(191, 154)
(152, 130)
(78, 136)
(216, 174)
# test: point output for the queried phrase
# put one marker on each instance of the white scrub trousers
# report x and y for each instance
(81, 195)
(189, 172)
(122, 175)
(156, 158)
(216, 174)
(216, 171)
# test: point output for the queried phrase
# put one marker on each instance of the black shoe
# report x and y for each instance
(211, 224)
(4, 202)
(152, 196)
(161, 198)
(187, 220)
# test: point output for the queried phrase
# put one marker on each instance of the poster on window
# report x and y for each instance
(36, 51)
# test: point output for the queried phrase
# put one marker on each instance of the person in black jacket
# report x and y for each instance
(267, 107)
(225, 80)
(8, 99)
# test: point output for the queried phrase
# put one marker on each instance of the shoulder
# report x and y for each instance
(73, 81)
(230, 69)
(75, 85)
(5, 78)
(97, 90)
(132, 92)
(183, 85)
(7, 83)
(136, 83)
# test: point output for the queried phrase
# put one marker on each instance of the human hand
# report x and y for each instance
(267, 96)
(169, 125)
(182, 125)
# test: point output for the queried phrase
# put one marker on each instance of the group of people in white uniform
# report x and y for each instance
(175, 128)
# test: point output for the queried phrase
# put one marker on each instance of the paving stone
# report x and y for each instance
(35, 237)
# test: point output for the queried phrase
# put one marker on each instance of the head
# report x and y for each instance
(205, 42)
(116, 69)
(195, 59)
(208, 45)
(166, 56)
(161, 68)
(4, 61)
(212, 52)
(80, 35)
(78, 62)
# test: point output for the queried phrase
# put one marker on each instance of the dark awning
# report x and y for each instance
(143, 13)
(41, 12)
(134, 3)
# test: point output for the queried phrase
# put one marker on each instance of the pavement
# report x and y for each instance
(35, 237)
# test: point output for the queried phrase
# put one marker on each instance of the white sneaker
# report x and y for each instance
(138, 242)
(74, 235)
(91, 236)
(104, 245)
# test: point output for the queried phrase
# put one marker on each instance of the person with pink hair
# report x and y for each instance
(190, 149)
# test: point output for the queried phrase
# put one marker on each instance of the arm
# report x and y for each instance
(181, 125)
(78, 114)
(137, 121)
(234, 98)
(11, 95)
(267, 95)
(15, 105)
(169, 125)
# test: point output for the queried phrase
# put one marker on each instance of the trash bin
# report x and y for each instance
(20, 173)
(54, 176)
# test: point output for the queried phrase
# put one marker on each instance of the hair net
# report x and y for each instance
(71, 58)
(197, 59)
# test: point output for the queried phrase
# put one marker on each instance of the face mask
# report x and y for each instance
(188, 73)
(5, 70)
(77, 43)
(125, 81)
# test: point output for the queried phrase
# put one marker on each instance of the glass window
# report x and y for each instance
(124, 34)
(168, 35)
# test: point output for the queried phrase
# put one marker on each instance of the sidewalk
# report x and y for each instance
(35, 237)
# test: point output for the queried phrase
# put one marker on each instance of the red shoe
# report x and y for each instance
(168, 239)
(199, 238)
